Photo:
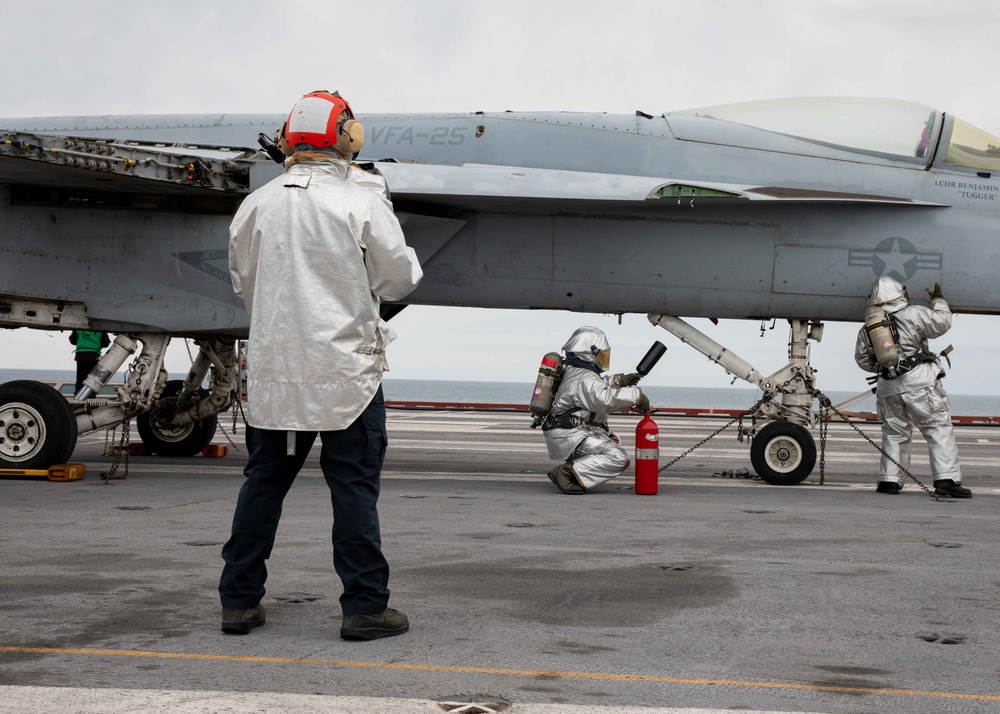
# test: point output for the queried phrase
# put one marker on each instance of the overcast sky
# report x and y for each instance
(184, 56)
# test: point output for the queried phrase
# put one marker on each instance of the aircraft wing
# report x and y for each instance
(60, 162)
(131, 167)
(501, 189)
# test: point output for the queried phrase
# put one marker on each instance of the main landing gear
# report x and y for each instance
(39, 426)
(782, 452)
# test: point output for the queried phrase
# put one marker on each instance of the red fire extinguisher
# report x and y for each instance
(647, 457)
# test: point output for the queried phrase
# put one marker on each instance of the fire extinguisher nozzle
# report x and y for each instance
(651, 358)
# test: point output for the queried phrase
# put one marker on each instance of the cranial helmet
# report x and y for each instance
(590, 344)
(323, 120)
(889, 293)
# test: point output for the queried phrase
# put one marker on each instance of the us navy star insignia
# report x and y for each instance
(895, 257)
(895, 263)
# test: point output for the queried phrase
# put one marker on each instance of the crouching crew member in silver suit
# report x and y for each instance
(576, 429)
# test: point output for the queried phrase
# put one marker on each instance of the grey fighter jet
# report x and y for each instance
(786, 209)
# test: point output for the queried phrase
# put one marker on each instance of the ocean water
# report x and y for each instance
(405, 390)
(519, 393)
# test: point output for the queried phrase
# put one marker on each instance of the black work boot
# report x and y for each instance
(947, 487)
(566, 479)
(887, 487)
(239, 622)
(387, 623)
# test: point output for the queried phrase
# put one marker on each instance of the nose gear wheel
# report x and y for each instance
(783, 453)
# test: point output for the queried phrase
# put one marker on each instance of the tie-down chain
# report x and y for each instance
(826, 406)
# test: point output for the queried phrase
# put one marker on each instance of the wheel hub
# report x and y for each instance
(170, 433)
(21, 431)
(783, 454)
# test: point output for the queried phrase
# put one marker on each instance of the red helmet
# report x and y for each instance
(317, 120)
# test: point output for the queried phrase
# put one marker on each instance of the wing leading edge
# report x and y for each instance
(501, 189)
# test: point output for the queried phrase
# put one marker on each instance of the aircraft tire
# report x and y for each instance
(188, 440)
(783, 453)
(37, 426)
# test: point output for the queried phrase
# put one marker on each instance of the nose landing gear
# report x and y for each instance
(783, 452)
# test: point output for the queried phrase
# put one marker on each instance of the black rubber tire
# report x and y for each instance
(783, 454)
(188, 441)
(37, 426)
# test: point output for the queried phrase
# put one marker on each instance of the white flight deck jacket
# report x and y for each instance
(313, 253)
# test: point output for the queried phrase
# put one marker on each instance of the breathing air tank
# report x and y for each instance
(882, 339)
(549, 376)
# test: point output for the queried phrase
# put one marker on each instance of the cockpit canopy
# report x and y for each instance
(874, 126)
(973, 148)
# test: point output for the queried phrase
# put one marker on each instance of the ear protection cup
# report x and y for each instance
(283, 146)
(356, 132)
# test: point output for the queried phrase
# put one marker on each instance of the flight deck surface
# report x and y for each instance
(719, 593)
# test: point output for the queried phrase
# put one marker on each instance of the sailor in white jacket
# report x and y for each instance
(313, 254)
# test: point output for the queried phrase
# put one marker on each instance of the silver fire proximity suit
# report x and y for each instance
(313, 254)
(577, 427)
(915, 397)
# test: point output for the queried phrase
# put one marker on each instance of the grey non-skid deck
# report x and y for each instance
(718, 593)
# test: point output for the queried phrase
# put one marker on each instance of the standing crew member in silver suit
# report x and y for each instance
(576, 429)
(912, 394)
(313, 254)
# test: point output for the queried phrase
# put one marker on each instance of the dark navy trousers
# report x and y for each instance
(351, 460)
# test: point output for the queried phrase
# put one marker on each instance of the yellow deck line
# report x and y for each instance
(507, 672)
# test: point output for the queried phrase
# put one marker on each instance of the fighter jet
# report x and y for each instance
(783, 209)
